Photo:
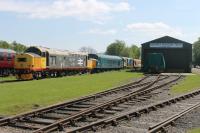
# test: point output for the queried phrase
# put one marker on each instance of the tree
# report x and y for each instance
(88, 50)
(134, 52)
(119, 48)
(18, 47)
(4, 44)
(116, 48)
(196, 52)
(14, 45)
(125, 52)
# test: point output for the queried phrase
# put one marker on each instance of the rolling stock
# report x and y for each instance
(6, 61)
(106, 62)
(155, 63)
(53, 62)
(40, 62)
(136, 64)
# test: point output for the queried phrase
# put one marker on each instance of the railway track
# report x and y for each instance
(42, 121)
(175, 104)
(39, 112)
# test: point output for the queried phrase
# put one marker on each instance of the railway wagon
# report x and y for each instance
(57, 63)
(155, 63)
(130, 63)
(125, 61)
(106, 62)
(6, 61)
(136, 64)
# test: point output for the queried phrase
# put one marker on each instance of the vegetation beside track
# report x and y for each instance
(196, 130)
(7, 78)
(23, 96)
(191, 82)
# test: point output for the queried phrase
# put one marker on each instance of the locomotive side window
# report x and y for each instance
(53, 60)
(1, 57)
(21, 59)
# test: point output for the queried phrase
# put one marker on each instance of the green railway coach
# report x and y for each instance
(155, 63)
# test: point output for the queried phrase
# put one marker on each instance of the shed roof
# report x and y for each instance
(166, 39)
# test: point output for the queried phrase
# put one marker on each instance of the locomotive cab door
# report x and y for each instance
(47, 58)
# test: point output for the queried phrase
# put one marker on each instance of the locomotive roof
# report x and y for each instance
(125, 57)
(53, 51)
(7, 50)
(58, 51)
(109, 56)
(34, 55)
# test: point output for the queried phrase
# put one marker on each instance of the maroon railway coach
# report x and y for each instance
(7, 57)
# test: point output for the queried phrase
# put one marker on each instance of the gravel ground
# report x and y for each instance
(187, 122)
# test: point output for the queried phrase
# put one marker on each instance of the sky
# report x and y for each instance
(72, 24)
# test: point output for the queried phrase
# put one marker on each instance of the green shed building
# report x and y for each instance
(177, 53)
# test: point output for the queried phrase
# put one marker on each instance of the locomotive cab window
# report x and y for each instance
(21, 59)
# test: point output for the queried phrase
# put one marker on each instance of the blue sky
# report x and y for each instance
(71, 24)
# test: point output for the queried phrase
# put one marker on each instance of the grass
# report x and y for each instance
(24, 96)
(190, 83)
(196, 130)
(7, 78)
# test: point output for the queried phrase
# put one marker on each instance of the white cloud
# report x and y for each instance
(154, 29)
(96, 10)
(102, 32)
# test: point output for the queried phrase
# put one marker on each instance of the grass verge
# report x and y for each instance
(24, 96)
(7, 78)
(190, 83)
(196, 130)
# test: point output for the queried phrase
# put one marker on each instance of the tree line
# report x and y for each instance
(18, 47)
(196, 53)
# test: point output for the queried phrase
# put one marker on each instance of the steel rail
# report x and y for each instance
(143, 110)
(108, 104)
